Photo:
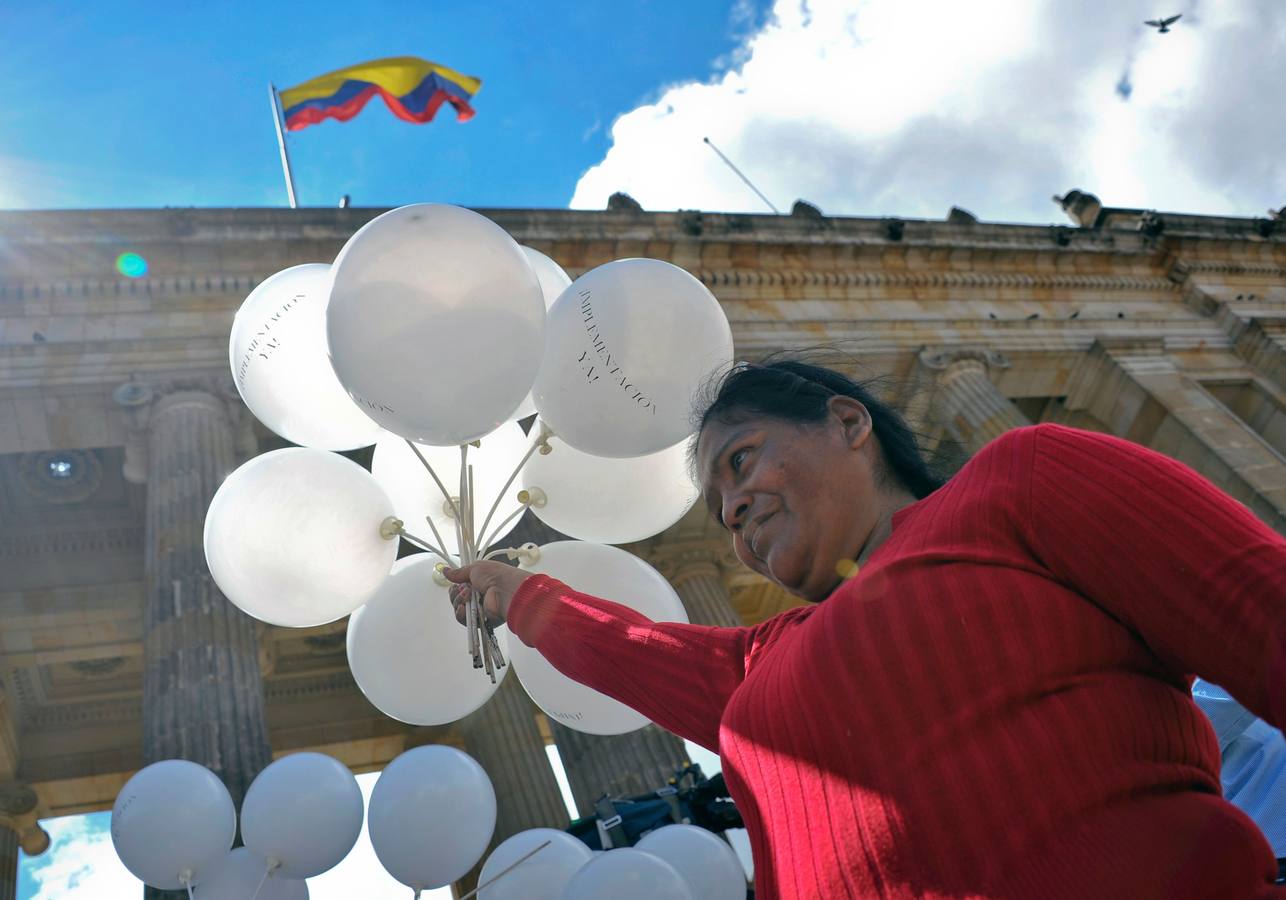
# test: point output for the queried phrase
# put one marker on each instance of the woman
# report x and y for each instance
(995, 701)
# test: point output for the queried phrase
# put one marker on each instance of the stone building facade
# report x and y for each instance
(118, 421)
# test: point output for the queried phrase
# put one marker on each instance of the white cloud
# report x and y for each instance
(80, 864)
(883, 107)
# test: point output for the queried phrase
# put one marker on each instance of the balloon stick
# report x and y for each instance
(438, 481)
(542, 440)
(503, 872)
(427, 545)
(272, 864)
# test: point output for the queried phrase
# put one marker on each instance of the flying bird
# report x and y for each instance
(1163, 25)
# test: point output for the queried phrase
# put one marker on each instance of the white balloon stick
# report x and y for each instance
(503, 872)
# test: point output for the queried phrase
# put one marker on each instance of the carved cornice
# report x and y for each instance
(65, 715)
(849, 278)
(678, 561)
(1221, 267)
(284, 690)
(124, 537)
(201, 286)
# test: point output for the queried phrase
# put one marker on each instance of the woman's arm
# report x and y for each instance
(1193, 572)
(679, 676)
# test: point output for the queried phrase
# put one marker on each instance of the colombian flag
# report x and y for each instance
(413, 89)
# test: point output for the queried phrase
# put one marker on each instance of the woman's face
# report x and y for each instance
(799, 499)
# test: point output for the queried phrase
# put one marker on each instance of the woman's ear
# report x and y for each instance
(854, 418)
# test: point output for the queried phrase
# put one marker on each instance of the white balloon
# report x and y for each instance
(436, 323)
(292, 537)
(542, 876)
(304, 811)
(615, 575)
(173, 822)
(704, 859)
(415, 495)
(553, 281)
(610, 501)
(241, 874)
(628, 874)
(432, 813)
(628, 346)
(280, 365)
(407, 651)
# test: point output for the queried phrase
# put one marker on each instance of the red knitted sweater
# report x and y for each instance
(997, 704)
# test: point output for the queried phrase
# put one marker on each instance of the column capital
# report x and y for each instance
(945, 359)
(679, 561)
(18, 812)
(142, 401)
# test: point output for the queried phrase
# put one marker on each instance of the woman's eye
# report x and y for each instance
(737, 459)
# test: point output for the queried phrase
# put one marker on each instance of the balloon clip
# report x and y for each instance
(477, 443)
(527, 555)
(533, 496)
(449, 506)
(542, 440)
(439, 575)
(391, 528)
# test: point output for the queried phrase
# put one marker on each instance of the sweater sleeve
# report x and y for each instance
(679, 676)
(1190, 570)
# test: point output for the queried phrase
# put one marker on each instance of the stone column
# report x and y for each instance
(971, 408)
(19, 828)
(620, 765)
(8, 864)
(202, 689)
(1138, 391)
(504, 738)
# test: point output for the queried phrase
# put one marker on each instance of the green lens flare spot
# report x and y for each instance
(131, 265)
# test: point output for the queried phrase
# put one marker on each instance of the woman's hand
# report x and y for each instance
(496, 582)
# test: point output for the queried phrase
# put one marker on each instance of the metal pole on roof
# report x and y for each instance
(281, 143)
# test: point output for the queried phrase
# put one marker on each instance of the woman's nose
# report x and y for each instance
(735, 513)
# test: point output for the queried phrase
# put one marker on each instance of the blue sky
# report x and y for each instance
(862, 107)
(151, 104)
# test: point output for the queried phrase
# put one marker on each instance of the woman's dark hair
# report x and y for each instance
(797, 391)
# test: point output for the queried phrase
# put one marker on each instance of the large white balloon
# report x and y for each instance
(436, 323)
(610, 501)
(415, 495)
(305, 812)
(542, 876)
(431, 815)
(704, 859)
(407, 651)
(628, 874)
(292, 537)
(615, 575)
(173, 823)
(280, 364)
(628, 346)
(241, 874)
(553, 281)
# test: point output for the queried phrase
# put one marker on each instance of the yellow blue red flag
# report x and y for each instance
(412, 88)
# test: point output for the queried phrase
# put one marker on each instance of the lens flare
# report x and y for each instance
(131, 265)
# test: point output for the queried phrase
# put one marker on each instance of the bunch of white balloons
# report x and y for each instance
(679, 862)
(430, 336)
(432, 814)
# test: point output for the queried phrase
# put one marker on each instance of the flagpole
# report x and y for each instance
(281, 143)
